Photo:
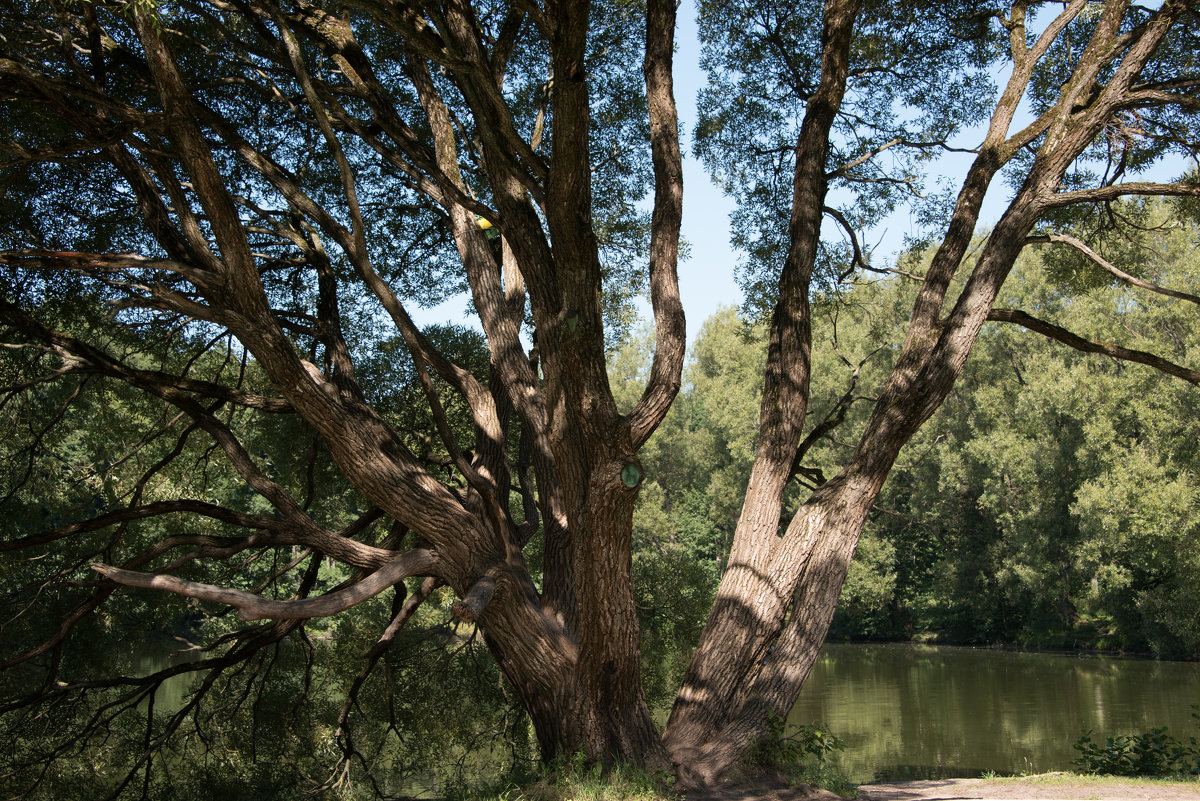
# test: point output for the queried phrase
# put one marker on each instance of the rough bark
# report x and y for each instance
(754, 594)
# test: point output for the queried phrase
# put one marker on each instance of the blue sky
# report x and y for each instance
(706, 278)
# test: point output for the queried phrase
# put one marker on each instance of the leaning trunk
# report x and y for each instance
(765, 633)
(771, 618)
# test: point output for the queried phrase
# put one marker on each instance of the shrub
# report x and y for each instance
(1152, 753)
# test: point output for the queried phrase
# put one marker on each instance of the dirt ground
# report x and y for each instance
(761, 788)
(1048, 787)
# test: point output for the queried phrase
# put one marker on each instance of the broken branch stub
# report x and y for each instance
(471, 606)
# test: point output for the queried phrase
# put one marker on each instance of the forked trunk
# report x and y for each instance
(778, 595)
(765, 633)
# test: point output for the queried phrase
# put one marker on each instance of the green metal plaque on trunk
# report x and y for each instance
(631, 474)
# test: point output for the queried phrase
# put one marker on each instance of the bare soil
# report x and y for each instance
(764, 786)
(1047, 787)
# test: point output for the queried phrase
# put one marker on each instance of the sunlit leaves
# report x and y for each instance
(1049, 501)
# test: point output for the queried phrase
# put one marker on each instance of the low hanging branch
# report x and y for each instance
(1087, 346)
(409, 608)
(254, 607)
(263, 523)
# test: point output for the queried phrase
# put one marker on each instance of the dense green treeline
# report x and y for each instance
(1052, 502)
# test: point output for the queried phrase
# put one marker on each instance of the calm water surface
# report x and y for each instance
(908, 711)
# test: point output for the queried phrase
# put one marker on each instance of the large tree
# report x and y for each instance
(290, 175)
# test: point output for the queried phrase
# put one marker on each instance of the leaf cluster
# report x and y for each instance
(918, 75)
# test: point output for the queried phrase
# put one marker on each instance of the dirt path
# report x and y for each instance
(1048, 786)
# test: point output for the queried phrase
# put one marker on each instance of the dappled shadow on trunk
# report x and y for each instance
(726, 709)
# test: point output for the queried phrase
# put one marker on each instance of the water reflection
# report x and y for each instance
(909, 712)
(173, 693)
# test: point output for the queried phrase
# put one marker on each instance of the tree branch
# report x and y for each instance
(301, 527)
(669, 320)
(864, 158)
(157, 509)
(471, 606)
(99, 264)
(1079, 343)
(859, 259)
(1102, 193)
(1096, 258)
(401, 617)
(254, 607)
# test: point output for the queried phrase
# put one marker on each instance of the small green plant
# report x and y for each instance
(805, 753)
(789, 746)
(1152, 753)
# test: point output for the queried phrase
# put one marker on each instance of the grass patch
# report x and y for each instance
(1086, 780)
(571, 779)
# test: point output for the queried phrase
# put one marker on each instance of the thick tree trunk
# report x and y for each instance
(572, 651)
(584, 694)
(755, 592)
(775, 604)
(616, 718)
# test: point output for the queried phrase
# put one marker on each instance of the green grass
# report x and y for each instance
(572, 780)
(1068, 777)
(1086, 780)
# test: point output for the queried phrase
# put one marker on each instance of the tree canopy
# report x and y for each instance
(219, 215)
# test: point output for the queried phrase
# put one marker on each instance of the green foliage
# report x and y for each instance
(432, 712)
(434, 715)
(792, 746)
(1152, 753)
(395, 390)
(918, 73)
(803, 753)
(1052, 501)
(696, 467)
(869, 588)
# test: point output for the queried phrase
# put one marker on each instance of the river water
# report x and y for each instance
(911, 712)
